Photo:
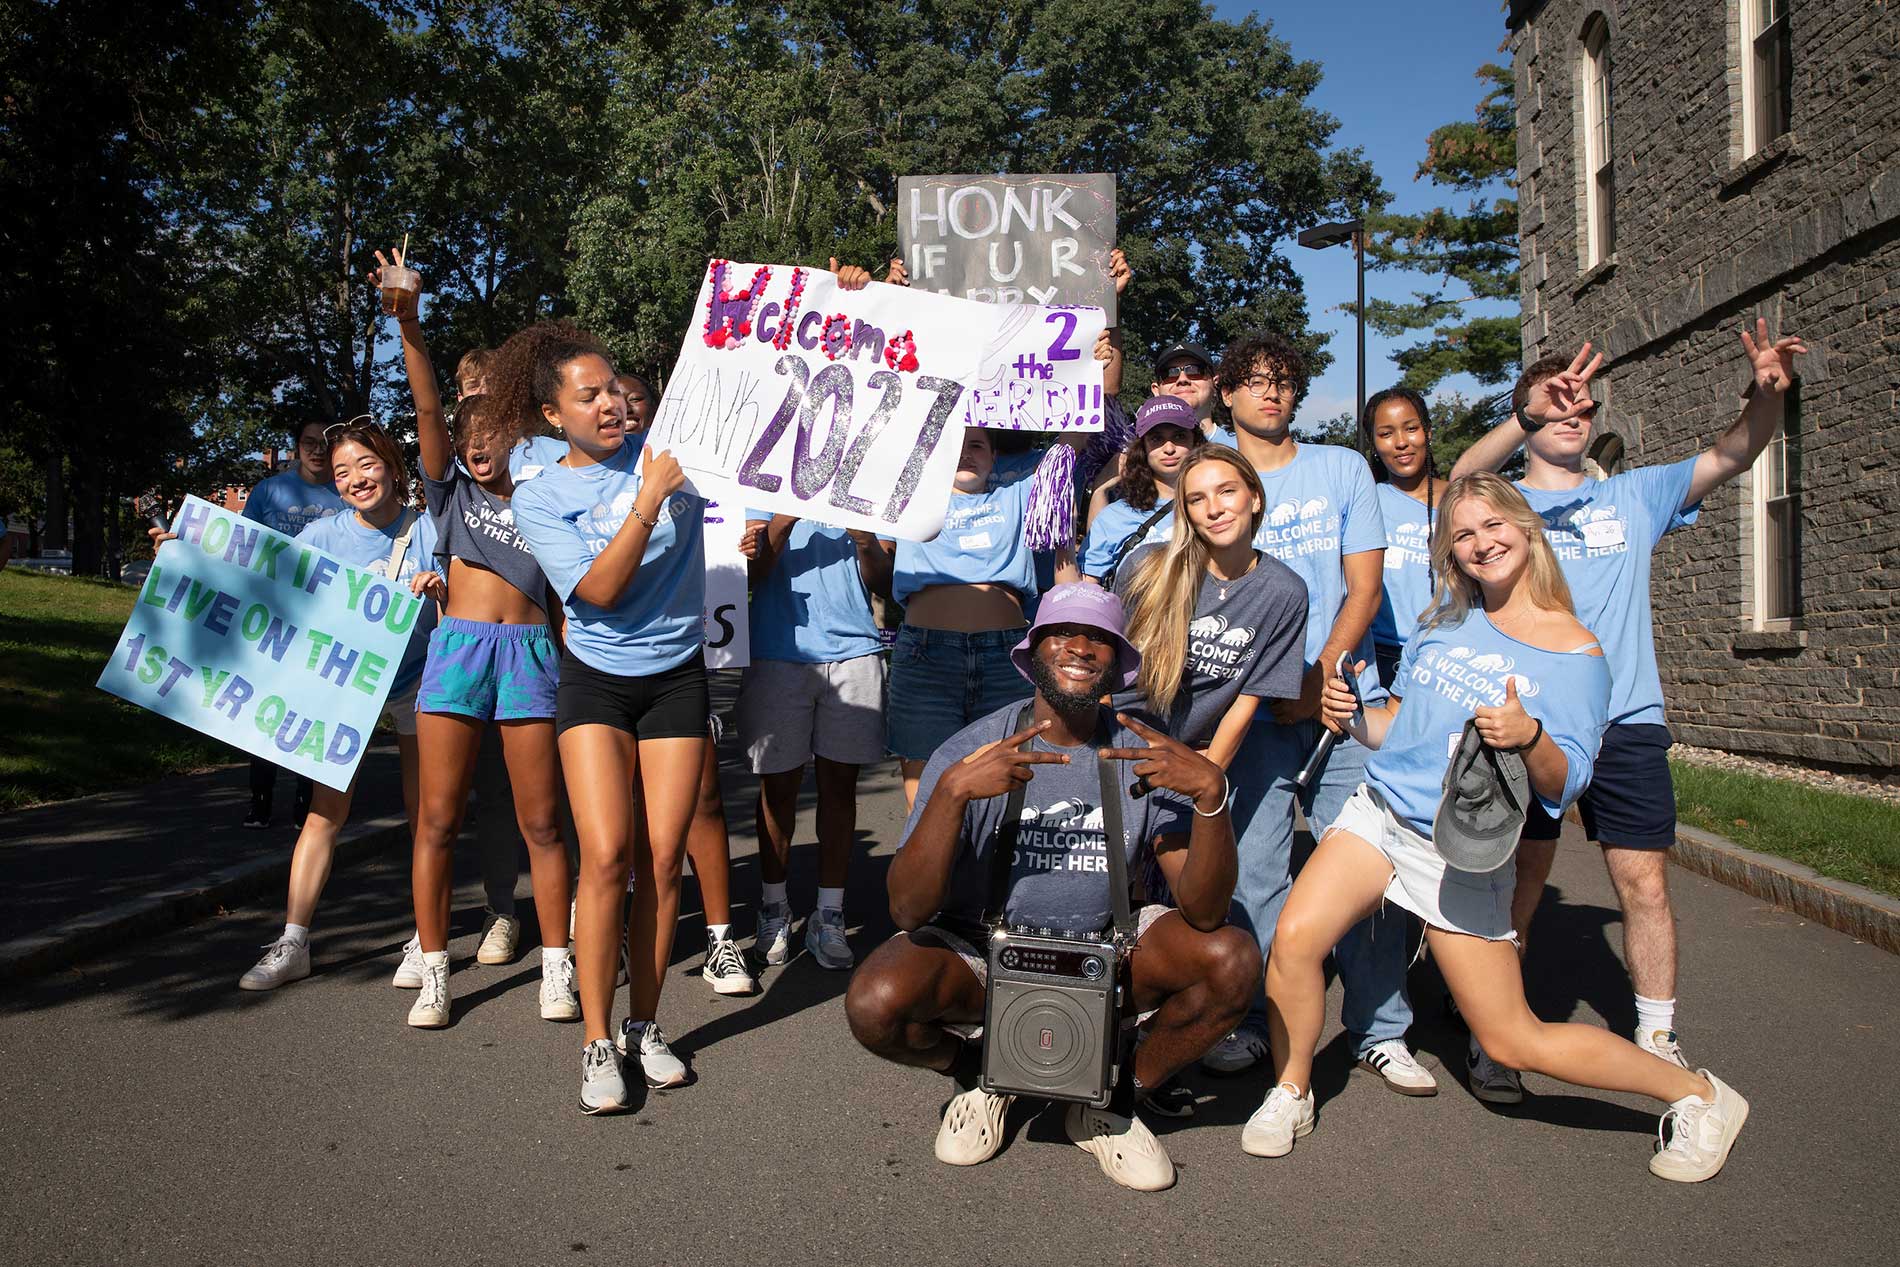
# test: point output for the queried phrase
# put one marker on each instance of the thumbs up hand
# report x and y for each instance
(1507, 726)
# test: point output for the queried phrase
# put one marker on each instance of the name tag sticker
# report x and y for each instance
(1451, 743)
(1603, 532)
(974, 541)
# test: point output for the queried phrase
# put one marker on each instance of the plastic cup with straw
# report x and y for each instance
(398, 278)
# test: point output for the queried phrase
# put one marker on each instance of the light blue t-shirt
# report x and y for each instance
(1221, 435)
(284, 502)
(1446, 674)
(1408, 567)
(1319, 508)
(535, 454)
(359, 545)
(812, 607)
(569, 515)
(1012, 468)
(981, 542)
(1604, 533)
(1111, 526)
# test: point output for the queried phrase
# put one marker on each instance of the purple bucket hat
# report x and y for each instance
(1082, 604)
(1168, 411)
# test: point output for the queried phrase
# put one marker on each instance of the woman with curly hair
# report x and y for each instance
(492, 660)
(620, 540)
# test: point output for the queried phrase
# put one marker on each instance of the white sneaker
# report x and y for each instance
(1491, 1082)
(560, 999)
(603, 1090)
(500, 940)
(724, 969)
(824, 938)
(1242, 1049)
(1703, 1132)
(773, 945)
(658, 1065)
(1284, 1116)
(972, 1127)
(1662, 1043)
(1124, 1148)
(1394, 1061)
(284, 961)
(431, 1008)
(409, 971)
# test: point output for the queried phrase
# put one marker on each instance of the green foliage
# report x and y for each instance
(1853, 838)
(1472, 253)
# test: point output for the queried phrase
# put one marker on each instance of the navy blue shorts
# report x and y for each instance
(1631, 802)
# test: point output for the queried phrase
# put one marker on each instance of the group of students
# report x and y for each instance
(1256, 608)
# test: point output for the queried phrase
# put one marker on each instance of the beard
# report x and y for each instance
(1067, 700)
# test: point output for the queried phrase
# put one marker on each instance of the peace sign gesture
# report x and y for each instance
(996, 768)
(1566, 395)
(1171, 764)
(1773, 362)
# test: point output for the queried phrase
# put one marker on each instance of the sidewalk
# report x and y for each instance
(87, 873)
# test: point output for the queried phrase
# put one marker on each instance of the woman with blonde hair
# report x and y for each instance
(1501, 649)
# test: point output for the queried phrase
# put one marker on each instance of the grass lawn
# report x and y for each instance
(65, 737)
(1851, 838)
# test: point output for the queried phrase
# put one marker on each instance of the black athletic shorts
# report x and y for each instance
(671, 704)
(1630, 802)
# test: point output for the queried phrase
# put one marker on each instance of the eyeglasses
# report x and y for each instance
(1189, 373)
(1259, 385)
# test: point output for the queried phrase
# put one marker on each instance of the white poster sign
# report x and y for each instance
(1039, 372)
(728, 622)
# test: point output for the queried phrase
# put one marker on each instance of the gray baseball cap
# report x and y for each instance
(1481, 814)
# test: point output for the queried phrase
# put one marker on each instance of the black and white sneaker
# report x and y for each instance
(1170, 1099)
(259, 817)
(725, 970)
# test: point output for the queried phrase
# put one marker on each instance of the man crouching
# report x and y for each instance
(1189, 975)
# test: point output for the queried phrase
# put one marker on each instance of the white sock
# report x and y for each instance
(551, 955)
(1655, 1014)
(435, 958)
(830, 899)
(719, 932)
(298, 933)
(772, 894)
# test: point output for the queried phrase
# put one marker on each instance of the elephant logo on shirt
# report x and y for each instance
(1064, 816)
(1525, 687)
(1459, 653)
(1408, 530)
(506, 515)
(1491, 662)
(1312, 506)
(1207, 626)
(1592, 514)
(1238, 636)
(1283, 514)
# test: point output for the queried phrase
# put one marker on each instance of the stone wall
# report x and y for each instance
(1806, 233)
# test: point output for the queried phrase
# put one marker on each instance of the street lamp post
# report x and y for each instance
(1321, 236)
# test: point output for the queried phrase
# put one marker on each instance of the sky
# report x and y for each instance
(1393, 71)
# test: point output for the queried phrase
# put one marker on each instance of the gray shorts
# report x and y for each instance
(790, 712)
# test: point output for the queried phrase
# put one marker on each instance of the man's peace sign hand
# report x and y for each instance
(1772, 360)
(1170, 764)
(997, 767)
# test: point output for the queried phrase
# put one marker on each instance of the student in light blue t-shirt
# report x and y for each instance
(1502, 650)
(1396, 428)
(1322, 520)
(1604, 533)
(288, 502)
(812, 695)
(1142, 512)
(620, 541)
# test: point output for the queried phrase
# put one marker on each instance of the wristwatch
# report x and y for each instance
(1527, 422)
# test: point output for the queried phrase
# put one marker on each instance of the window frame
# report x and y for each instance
(1767, 105)
(1598, 149)
(1775, 525)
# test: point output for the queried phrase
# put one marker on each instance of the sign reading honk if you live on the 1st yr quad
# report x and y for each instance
(264, 643)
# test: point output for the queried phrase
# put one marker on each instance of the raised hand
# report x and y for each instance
(750, 539)
(1567, 394)
(1338, 705)
(1507, 725)
(1773, 362)
(850, 276)
(1169, 763)
(1118, 270)
(896, 274)
(997, 767)
(660, 475)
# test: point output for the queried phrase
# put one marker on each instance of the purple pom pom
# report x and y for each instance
(1117, 430)
(1050, 520)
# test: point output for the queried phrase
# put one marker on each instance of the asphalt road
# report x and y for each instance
(154, 1114)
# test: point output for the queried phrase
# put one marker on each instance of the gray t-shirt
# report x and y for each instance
(475, 526)
(1247, 641)
(1059, 877)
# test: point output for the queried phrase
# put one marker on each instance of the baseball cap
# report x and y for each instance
(1080, 603)
(1170, 411)
(1192, 351)
(1486, 794)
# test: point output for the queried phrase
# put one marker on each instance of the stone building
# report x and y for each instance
(1683, 166)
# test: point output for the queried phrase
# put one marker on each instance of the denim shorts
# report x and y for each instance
(941, 681)
(492, 672)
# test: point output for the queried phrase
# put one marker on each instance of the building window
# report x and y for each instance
(1599, 177)
(1775, 485)
(1767, 72)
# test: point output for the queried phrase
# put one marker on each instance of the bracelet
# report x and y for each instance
(1527, 422)
(1226, 799)
(635, 512)
(1534, 738)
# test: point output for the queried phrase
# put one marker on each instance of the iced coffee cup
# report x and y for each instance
(396, 283)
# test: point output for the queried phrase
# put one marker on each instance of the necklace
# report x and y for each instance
(1222, 584)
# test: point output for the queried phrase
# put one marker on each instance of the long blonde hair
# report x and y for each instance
(1457, 593)
(1166, 584)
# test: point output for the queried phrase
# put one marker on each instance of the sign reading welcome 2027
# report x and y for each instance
(263, 643)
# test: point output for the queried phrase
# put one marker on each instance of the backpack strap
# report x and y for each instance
(1130, 541)
(400, 549)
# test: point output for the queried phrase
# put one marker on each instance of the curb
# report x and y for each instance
(1847, 908)
(39, 953)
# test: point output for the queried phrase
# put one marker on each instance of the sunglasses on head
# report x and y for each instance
(330, 432)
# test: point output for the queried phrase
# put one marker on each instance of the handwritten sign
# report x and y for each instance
(843, 407)
(1039, 372)
(1010, 239)
(728, 628)
(276, 648)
